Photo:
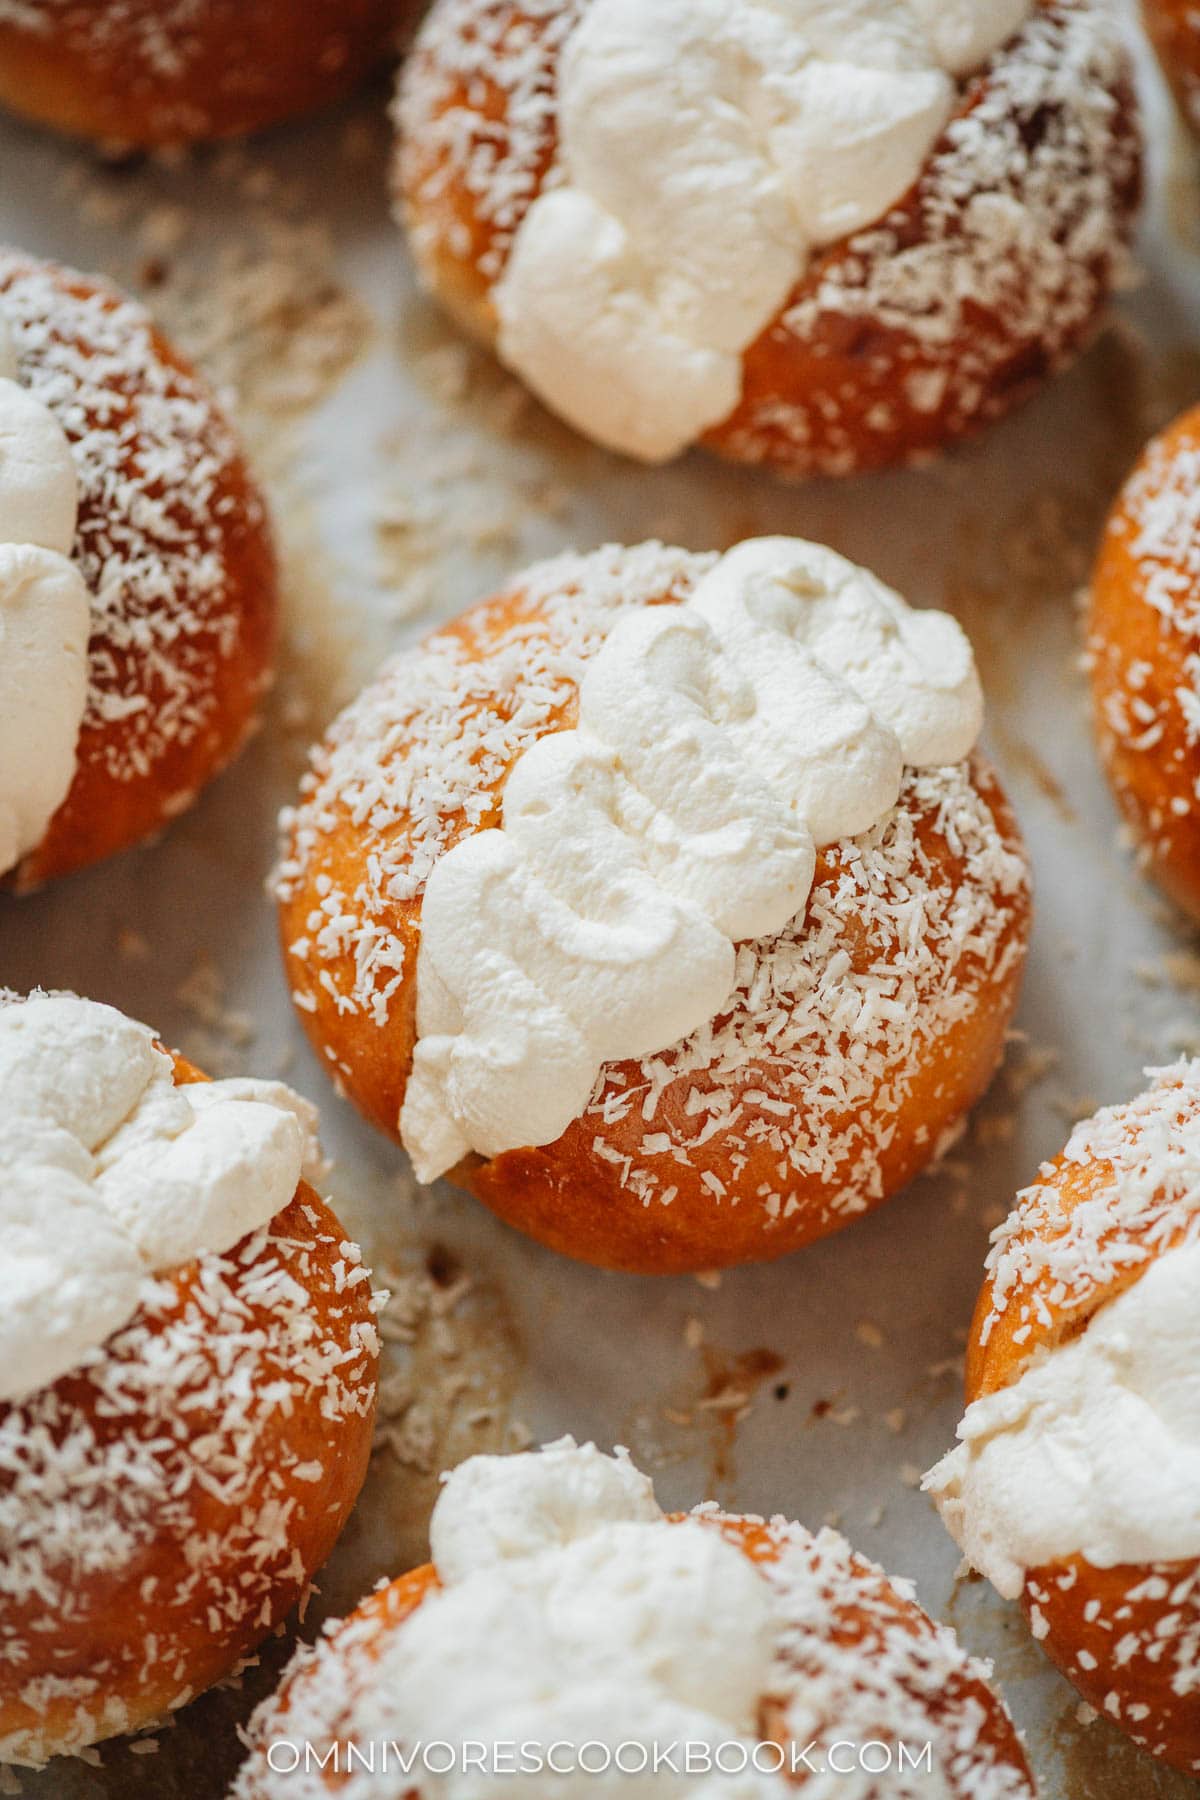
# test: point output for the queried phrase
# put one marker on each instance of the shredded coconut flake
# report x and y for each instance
(1146, 1198)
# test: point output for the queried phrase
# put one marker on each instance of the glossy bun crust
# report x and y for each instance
(1144, 652)
(1174, 29)
(174, 544)
(857, 1037)
(141, 73)
(850, 1611)
(989, 273)
(162, 1510)
(1122, 1635)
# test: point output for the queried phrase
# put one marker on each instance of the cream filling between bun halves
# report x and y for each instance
(719, 744)
(45, 615)
(705, 150)
(1094, 1451)
(110, 1173)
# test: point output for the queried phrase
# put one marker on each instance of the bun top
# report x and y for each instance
(719, 744)
(112, 1174)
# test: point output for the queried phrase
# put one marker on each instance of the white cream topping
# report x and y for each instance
(1095, 1450)
(44, 615)
(705, 150)
(496, 1509)
(109, 1174)
(571, 1611)
(719, 744)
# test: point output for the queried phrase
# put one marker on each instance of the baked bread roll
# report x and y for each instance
(187, 1385)
(823, 240)
(147, 73)
(564, 1614)
(1144, 655)
(138, 590)
(661, 901)
(1174, 29)
(1076, 1485)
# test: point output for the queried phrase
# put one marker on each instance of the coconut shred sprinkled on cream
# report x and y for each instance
(113, 1174)
(44, 615)
(719, 744)
(570, 1610)
(704, 151)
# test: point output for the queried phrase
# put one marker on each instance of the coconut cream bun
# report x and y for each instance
(562, 1607)
(1144, 656)
(1174, 30)
(1075, 1485)
(138, 594)
(661, 901)
(822, 238)
(187, 1373)
(147, 73)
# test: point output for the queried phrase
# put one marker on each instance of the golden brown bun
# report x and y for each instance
(1143, 637)
(157, 72)
(1174, 30)
(862, 1611)
(197, 1479)
(759, 1142)
(1080, 1613)
(174, 543)
(896, 341)
(1112, 1631)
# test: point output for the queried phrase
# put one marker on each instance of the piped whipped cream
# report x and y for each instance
(1094, 1450)
(44, 615)
(570, 1611)
(110, 1174)
(719, 744)
(706, 149)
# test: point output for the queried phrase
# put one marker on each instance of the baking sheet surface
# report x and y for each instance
(408, 475)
